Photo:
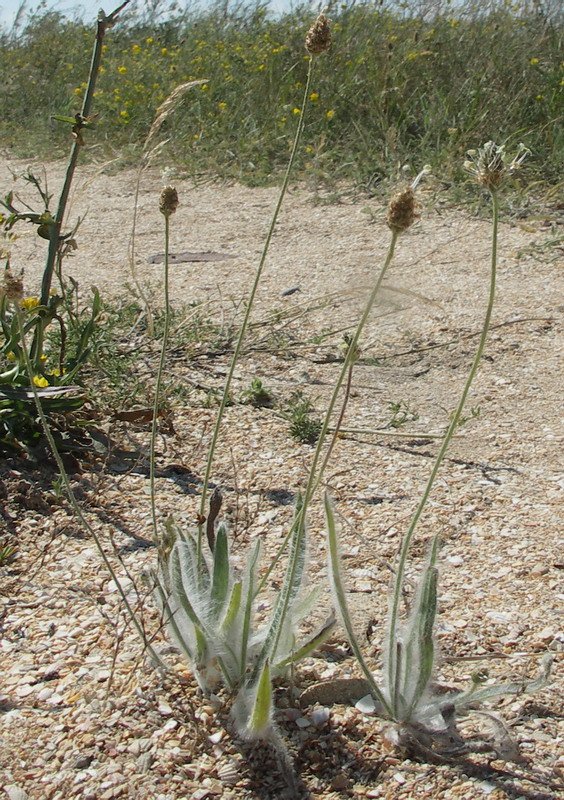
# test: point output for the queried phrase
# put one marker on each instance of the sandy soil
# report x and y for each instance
(82, 718)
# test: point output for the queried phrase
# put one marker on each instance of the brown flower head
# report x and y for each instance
(402, 210)
(168, 202)
(12, 287)
(318, 38)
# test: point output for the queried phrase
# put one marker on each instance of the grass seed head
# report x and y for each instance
(318, 38)
(402, 210)
(168, 202)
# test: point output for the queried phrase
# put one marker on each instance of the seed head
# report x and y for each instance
(168, 201)
(490, 164)
(12, 287)
(318, 38)
(402, 211)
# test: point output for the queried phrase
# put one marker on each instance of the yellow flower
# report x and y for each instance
(261, 67)
(539, 97)
(30, 302)
(309, 149)
(124, 114)
(296, 111)
(56, 372)
(533, 62)
(205, 87)
(149, 40)
(164, 51)
(222, 106)
(43, 358)
(330, 114)
(314, 97)
(136, 48)
(11, 356)
(122, 70)
(77, 91)
(40, 381)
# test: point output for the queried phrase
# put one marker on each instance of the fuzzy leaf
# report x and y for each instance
(221, 571)
(288, 594)
(420, 646)
(250, 596)
(233, 606)
(259, 718)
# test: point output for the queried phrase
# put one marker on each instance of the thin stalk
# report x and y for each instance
(337, 429)
(70, 494)
(243, 330)
(160, 373)
(443, 449)
(313, 479)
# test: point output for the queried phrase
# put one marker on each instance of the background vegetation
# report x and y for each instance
(412, 82)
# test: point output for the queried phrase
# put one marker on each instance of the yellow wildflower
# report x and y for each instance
(164, 51)
(149, 40)
(314, 97)
(122, 70)
(296, 111)
(136, 48)
(533, 62)
(30, 302)
(40, 381)
(330, 114)
(222, 106)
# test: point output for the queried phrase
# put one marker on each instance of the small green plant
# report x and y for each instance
(305, 426)
(52, 367)
(258, 395)
(7, 554)
(401, 415)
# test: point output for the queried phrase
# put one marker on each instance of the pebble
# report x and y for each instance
(145, 762)
(15, 793)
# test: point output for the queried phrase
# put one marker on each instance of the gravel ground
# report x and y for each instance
(82, 715)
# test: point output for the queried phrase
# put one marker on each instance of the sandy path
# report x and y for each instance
(496, 504)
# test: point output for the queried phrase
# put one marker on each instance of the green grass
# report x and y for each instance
(397, 88)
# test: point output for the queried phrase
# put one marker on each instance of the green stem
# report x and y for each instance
(443, 449)
(70, 494)
(104, 22)
(160, 373)
(243, 330)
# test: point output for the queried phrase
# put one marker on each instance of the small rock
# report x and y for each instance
(539, 569)
(340, 782)
(83, 761)
(145, 762)
(15, 793)
(164, 709)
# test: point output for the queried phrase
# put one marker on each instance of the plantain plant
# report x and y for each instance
(209, 609)
(426, 717)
